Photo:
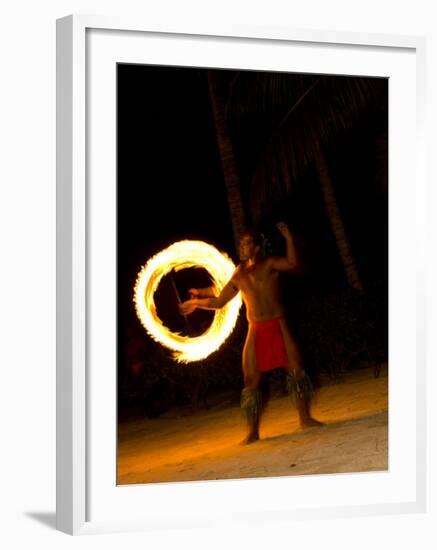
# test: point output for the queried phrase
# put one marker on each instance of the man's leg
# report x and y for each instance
(299, 384)
(251, 396)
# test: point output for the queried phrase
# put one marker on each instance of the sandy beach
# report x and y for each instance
(206, 445)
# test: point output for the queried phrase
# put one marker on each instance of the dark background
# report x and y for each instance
(171, 186)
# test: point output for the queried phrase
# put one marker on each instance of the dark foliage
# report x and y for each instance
(286, 118)
(342, 330)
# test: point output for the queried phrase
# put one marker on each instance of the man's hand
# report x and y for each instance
(187, 307)
(283, 230)
(290, 261)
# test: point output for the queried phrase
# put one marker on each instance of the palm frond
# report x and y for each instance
(256, 91)
(327, 106)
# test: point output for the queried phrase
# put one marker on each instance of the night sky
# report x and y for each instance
(170, 184)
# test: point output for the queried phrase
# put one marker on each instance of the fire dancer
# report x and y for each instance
(269, 343)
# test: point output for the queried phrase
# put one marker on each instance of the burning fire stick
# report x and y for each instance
(178, 297)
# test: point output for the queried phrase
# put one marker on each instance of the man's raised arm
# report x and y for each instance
(229, 291)
(290, 261)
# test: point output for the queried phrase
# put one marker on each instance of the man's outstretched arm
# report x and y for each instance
(214, 302)
(208, 292)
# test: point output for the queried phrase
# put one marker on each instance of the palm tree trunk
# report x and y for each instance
(230, 174)
(337, 225)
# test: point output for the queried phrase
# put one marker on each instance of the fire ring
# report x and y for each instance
(182, 255)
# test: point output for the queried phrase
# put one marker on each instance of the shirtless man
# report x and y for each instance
(269, 343)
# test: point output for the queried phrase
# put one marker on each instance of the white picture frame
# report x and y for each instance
(75, 470)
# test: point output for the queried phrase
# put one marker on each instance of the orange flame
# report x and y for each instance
(182, 255)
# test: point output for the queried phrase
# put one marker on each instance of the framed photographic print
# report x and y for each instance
(240, 335)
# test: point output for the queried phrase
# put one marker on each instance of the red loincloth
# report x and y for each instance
(270, 350)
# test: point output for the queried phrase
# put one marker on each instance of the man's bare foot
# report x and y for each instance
(310, 422)
(251, 438)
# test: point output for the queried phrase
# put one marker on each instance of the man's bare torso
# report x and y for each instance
(259, 286)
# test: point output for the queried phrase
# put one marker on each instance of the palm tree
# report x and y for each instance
(380, 160)
(335, 219)
(310, 111)
(224, 143)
